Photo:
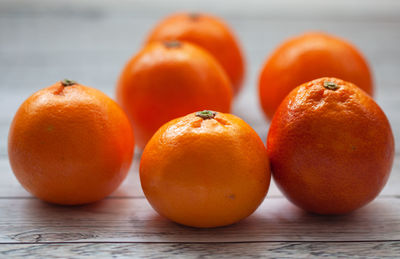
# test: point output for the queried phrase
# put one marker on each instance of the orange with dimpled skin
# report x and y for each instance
(331, 147)
(70, 144)
(206, 169)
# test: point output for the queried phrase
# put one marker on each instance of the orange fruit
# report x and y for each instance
(331, 147)
(70, 144)
(308, 57)
(206, 169)
(208, 32)
(167, 80)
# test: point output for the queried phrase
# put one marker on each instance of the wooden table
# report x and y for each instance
(42, 42)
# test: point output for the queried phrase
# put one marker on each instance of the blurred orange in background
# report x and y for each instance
(169, 79)
(308, 57)
(208, 32)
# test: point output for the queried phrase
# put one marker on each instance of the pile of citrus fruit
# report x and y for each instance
(329, 148)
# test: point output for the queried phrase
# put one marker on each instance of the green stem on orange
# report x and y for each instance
(330, 85)
(172, 44)
(194, 16)
(68, 82)
(206, 114)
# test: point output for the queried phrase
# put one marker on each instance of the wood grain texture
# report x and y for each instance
(133, 220)
(299, 250)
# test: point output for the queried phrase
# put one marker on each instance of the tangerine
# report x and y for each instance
(206, 169)
(208, 32)
(167, 80)
(70, 144)
(331, 147)
(308, 57)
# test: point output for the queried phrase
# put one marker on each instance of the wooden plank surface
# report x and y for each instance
(44, 41)
(299, 250)
(133, 220)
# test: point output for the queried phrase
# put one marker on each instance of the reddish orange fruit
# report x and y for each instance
(331, 147)
(208, 32)
(206, 169)
(308, 57)
(70, 144)
(168, 80)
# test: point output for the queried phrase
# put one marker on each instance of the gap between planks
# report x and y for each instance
(194, 242)
(143, 197)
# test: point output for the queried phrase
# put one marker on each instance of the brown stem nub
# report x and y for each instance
(68, 82)
(330, 85)
(206, 114)
(172, 44)
(194, 16)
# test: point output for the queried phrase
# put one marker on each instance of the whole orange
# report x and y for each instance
(206, 169)
(208, 32)
(308, 57)
(331, 147)
(167, 80)
(70, 144)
